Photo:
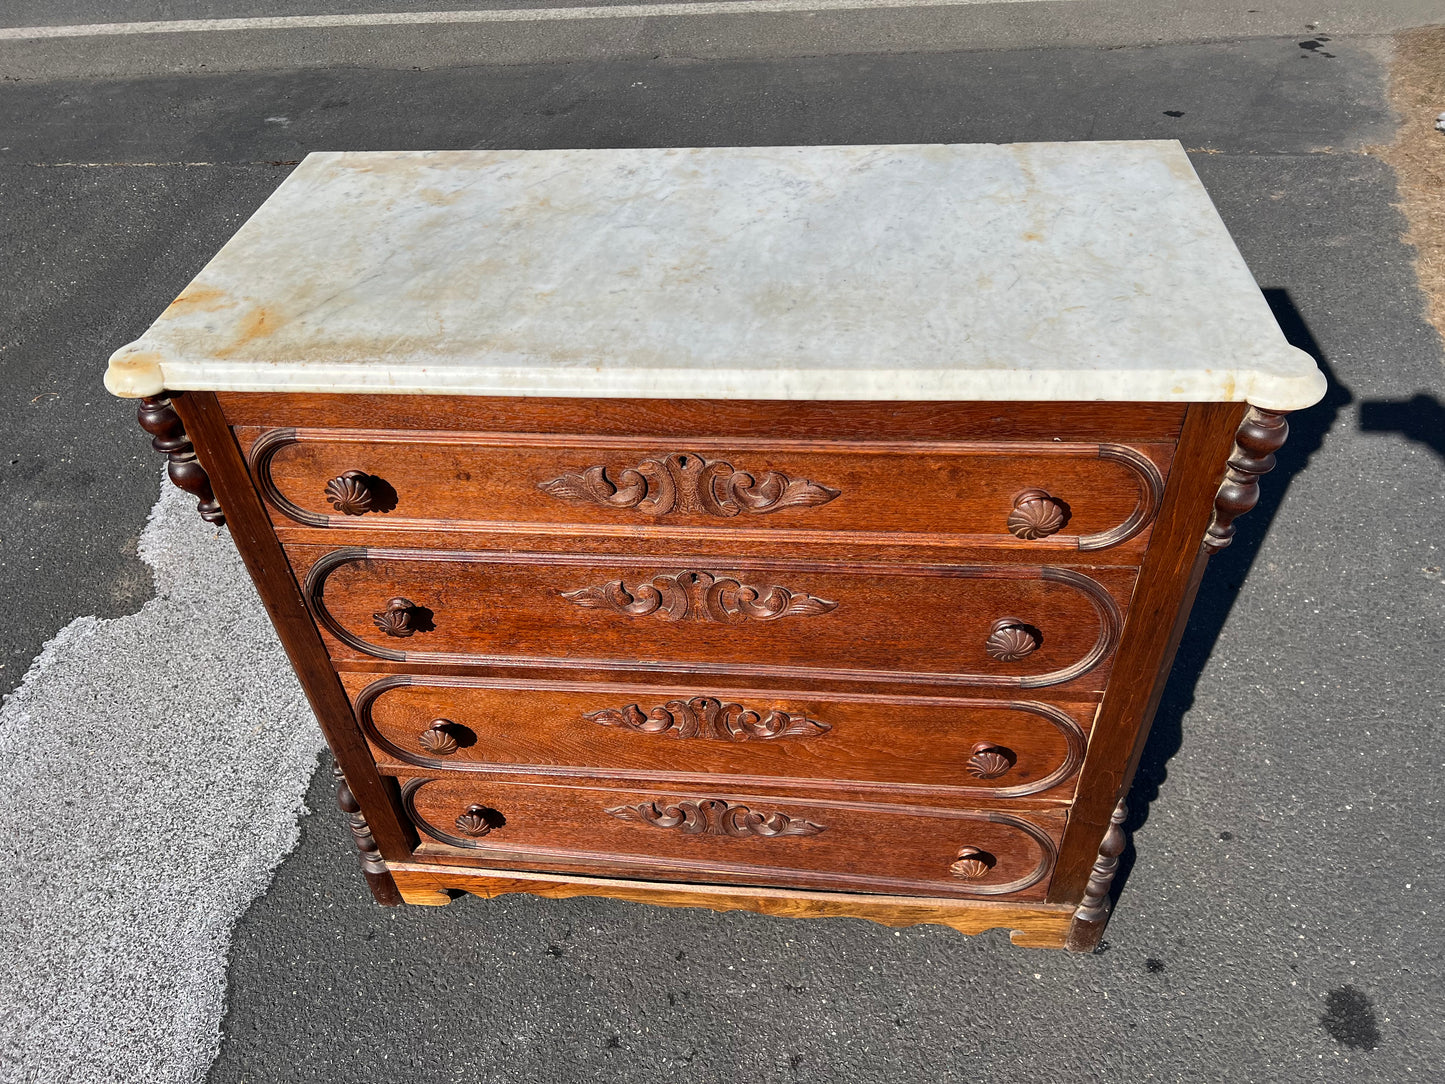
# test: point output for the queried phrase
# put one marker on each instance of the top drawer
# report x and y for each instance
(1049, 496)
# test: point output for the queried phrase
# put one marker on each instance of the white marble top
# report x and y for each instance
(973, 271)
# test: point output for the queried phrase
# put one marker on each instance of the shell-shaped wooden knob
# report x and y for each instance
(1035, 515)
(972, 864)
(989, 761)
(1009, 640)
(475, 822)
(438, 739)
(351, 493)
(398, 619)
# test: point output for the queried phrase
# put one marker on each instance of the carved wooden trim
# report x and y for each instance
(699, 596)
(972, 864)
(398, 619)
(272, 440)
(1047, 851)
(1011, 640)
(1103, 604)
(168, 436)
(371, 861)
(989, 761)
(1261, 433)
(983, 753)
(714, 817)
(351, 493)
(1094, 907)
(1048, 854)
(687, 482)
(710, 718)
(475, 816)
(1035, 515)
(438, 739)
(477, 821)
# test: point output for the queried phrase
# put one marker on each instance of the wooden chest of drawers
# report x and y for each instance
(859, 653)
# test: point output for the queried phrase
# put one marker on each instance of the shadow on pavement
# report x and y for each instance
(1420, 418)
(1227, 572)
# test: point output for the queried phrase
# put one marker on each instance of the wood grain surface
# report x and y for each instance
(1033, 926)
(881, 622)
(1167, 582)
(265, 560)
(782, 650)
(732, 836)
(958, 749)
(723, 418)
(847, 491)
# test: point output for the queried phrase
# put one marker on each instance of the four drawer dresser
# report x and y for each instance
(802, 530)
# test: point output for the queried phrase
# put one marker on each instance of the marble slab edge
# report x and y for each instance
(135, 372)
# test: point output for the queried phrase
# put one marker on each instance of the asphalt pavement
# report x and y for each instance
(201, 36)
(1280, 914)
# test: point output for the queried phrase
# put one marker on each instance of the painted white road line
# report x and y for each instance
(498, 15)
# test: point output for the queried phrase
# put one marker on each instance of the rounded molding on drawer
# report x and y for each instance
(376, 561)
(398, 619)
(1010, 640)
(399, 746)
(1035, 515)
(989, 761)
(972, 864)
(351, 493)
(438, 738)
(1033, 840)
(291, 466)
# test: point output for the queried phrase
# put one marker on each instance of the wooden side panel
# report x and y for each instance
(933, 747)
(735, 837)
(1167, 582)
(280, 594)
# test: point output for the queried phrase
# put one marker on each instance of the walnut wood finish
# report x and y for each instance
(815, 842)
(1168, 579)
(1093, 912)
(266, 562)
(709, 718)
(954, 493)
(931, 748)
(352, 493)
(834, 621)
(1036, 514)
(686, 483)
(1129, 423)
(847, 571)
(1030, 925)
(714, 817)
(372, 864)
(157, 417)
(1260, 435)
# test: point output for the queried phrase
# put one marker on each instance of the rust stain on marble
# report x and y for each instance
(259, 323)
(198, 297)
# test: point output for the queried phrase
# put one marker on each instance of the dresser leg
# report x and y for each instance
(1093, 911)
(383, 887)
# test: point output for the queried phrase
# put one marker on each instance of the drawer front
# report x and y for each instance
(927, 746)
(737, 837)
(1008, 626)
(1046, 496)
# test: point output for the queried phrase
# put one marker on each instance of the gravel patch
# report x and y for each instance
(152, 772)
